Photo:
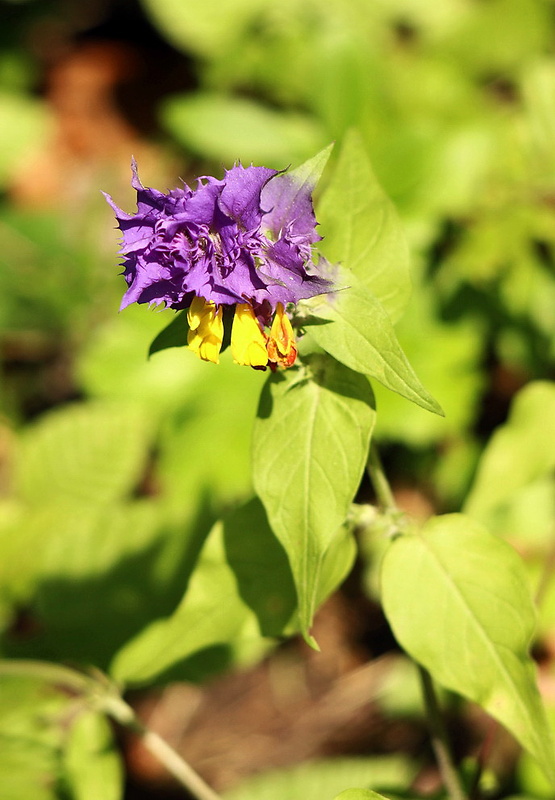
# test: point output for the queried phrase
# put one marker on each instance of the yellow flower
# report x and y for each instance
(282, 348)
(248, 340)
(206, 329)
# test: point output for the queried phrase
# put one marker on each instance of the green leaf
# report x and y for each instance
(303, 177)
(359, 794)
(310, 443)
(355, 329)
(173, 335)
(93, 768)
(447, 357)
(31, 738)
(362, 230)
(201, 28)
(337, 562)
(200, 442)
(25, 124)
(519, 453)
(108, 571)
(113, 367)
(260, 567)
(228, 128)
(459, 603)
(321, 780)
(241, 588)
(85, 453)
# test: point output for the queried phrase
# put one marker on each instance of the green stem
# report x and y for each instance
(122, 713)
(380, 483)
(48, 673)
(449, 775)
(438, 735)
(482, 759)
(103, 695)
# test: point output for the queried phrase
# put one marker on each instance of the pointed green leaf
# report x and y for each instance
(305, 176)
(459, 603)
(355, 329)
(362, 230)
(93, 768)
(173, 335)
(310, 444)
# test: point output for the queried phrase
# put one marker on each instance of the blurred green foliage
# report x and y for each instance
(110, 499)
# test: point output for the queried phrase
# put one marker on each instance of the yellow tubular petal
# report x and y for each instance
(248, 341)
(196, 311)
(206, 330)
(282, 348)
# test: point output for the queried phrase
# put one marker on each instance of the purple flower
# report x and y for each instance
(246, 240)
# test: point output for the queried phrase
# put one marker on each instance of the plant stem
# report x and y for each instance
(55, 674)
(380, 483)
(449, 775)
(482, 759)
(439, 738)
(122, 713)
(102, 695)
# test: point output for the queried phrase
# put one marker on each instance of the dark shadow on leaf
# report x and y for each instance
(197, 668)
(87, 619)
(261, 567)
(336, 377)
(173, 335)
(266, 402)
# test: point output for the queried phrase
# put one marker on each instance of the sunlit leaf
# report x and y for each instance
(84, 453)
(200, 27)
(30, 739)
(322, 780)
(459, 603)
(310, 444)
(519, 453)
(362, 230)
(446, 357)
(212, 431)
(93, 767)
(228, 129)
(358, 333)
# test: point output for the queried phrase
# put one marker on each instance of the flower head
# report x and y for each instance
(244, 241)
